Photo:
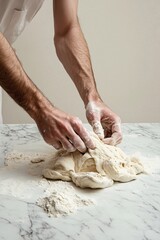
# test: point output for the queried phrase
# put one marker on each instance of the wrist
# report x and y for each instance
(39, 106)
(91, 97)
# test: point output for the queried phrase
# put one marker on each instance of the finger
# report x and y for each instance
(57, 145)
(115, 139)
(117, 132)
(109, 141)
(83, 140)
(98, 129)
(83, 136)
(93, 115)
(88, 140)
(78, 143)
(116, 127)
(67, 145)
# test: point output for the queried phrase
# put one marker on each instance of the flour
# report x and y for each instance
(21, 177)
(17, 157)
(61, 199)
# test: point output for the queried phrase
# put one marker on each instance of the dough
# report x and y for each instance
(97, 168)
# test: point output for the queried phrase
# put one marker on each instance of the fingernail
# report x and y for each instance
(83, 150)
(93, 146)
(72, 149)
(56, 146)
(100, 135)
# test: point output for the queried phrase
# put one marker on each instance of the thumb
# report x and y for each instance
(98, 129)
(93, 116)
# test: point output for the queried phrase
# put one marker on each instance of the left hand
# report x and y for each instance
(106, 124)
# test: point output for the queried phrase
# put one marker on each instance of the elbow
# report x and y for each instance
(61, 35)
(57, 39)
(59, 45)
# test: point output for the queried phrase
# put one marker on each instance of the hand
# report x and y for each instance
(105, 123)
(63, 131)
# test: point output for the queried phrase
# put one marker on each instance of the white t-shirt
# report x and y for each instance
(14, 16)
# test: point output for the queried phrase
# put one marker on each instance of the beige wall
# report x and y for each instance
(124, 41)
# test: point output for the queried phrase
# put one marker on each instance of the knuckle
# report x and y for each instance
(90, 115)
(64, 129)
(76, 121)
(62, 125)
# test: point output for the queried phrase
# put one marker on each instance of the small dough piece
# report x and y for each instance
(37, 160)
(97, 168)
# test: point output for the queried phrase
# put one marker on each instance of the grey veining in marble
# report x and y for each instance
(125, 211)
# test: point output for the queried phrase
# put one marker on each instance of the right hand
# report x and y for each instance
(63, 131)
(106, 124)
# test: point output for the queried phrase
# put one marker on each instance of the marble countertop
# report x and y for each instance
(125, 211)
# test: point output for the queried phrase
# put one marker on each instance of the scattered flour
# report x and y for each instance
(61, 199)
(17, 157)
(21, 177)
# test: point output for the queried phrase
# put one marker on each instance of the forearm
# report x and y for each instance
(15, 81)
(73, 52)
(57, 128)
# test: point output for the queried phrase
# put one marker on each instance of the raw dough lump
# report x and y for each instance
(97, 168)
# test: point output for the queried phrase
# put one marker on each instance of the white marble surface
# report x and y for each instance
(125, 211)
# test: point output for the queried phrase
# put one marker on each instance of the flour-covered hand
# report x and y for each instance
(106, 124)
(61, 130)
